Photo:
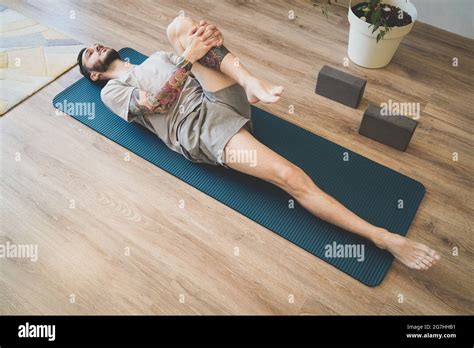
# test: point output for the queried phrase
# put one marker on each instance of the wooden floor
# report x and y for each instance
(182, 260)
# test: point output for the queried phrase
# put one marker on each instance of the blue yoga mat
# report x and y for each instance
(376, 193)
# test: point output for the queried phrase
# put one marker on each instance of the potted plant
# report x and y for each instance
(376, 29)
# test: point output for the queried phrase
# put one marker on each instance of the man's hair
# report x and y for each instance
(82, 68)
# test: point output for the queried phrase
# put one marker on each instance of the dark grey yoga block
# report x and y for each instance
(394, 131)
(340, 86)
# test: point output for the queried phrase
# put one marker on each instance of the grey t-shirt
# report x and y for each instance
(151, 76)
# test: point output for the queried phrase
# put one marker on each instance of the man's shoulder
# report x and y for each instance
(111, 83)
(109, 86)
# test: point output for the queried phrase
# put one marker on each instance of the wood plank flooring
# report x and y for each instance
(127, 247)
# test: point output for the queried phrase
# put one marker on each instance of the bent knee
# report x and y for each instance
(178, 26)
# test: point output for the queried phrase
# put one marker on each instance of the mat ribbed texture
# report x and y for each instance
(371, 190)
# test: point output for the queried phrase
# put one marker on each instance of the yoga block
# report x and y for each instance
(340, 86)
(394, 131)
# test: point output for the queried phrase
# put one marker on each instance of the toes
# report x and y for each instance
(433, 254)
(430, 259)
(426, 262)
(278, 90)
(414, 265)
(422, 266)
(428, 251)
(419, 264)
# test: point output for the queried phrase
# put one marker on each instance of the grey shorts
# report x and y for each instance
(203, 134)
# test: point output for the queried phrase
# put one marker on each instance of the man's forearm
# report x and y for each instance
(145, 103)
(218, 58)
(213, 59)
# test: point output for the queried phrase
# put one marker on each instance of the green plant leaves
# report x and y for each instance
(378, 22)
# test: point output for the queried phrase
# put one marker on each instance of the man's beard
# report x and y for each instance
(110, 56)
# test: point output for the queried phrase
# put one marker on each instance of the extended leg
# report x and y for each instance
(230, 70)
(274, 168)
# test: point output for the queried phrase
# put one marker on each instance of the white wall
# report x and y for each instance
(456, 16)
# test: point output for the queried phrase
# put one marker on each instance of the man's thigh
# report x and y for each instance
(211, 80)
(266, 164)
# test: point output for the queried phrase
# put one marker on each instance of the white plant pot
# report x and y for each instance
(363, 48)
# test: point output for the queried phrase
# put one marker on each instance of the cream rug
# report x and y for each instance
(31, 56)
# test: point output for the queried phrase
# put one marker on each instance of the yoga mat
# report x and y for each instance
(376, 193)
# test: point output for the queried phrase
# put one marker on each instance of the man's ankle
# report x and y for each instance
(380, 238)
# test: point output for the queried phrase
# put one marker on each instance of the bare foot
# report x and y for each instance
(261, 90)
(412, 254)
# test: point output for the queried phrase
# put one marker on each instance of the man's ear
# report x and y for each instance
(95, 76)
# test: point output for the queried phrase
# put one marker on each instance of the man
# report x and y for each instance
(198, 102)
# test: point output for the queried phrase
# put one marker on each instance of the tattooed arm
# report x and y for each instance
(146, 103)
(210, 34)
(214, 57)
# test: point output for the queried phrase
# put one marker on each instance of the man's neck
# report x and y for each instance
(118, 68)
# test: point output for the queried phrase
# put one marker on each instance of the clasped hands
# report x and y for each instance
(201, 39)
